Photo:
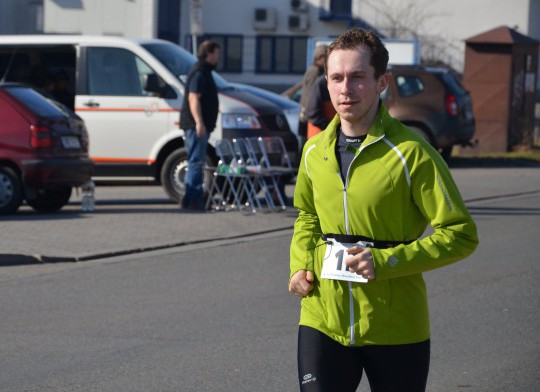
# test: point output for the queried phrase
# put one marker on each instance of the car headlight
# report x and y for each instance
(240, 121)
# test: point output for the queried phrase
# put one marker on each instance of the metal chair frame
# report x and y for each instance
(258, 178)
(237, 185)
(264, 149)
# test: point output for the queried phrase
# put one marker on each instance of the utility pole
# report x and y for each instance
(196, 23)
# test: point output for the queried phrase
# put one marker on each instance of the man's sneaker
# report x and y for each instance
(199, 206)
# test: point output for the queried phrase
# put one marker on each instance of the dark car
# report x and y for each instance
(43, 150)
(432, 101)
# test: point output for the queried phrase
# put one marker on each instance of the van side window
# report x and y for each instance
(409, 85)
(114, 72)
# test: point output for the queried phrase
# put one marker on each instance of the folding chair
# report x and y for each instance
(275, 155)
(257, 177)
(272, 157)
(230, 187)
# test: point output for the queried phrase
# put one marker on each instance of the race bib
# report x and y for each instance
(334, 266)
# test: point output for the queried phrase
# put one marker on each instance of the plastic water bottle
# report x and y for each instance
(88, 202)
(223, 168)
(241, 167)
(233, 166)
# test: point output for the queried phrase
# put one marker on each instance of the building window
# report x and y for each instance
(281, 54)
(231, 51)
(340, 7)
(336, 9)
(169, 20)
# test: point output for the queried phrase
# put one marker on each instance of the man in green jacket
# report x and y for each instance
(367, 188)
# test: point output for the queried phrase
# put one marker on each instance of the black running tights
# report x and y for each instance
(327, 366)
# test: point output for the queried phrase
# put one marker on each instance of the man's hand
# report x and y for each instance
(301, 283)
(200, 128)
(361, 262)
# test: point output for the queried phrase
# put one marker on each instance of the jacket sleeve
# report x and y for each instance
(307, 231)
(437, 197)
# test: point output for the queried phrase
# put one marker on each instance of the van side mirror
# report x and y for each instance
(151, 84)
(154, 85)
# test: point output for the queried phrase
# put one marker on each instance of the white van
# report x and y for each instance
(129, 93)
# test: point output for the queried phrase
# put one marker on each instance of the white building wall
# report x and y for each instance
(136, 18)
(449, 23)
(442, 29)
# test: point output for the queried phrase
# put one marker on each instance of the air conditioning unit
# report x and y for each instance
(265, 19)
(299, 5)
(298, 22)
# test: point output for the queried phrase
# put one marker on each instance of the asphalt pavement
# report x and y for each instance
(131, 219)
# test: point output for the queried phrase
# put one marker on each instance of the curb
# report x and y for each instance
(20, 259)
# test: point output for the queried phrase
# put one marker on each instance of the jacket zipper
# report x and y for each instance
(351, 298)
(347, 230)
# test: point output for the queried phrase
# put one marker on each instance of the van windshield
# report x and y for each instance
(179, 61)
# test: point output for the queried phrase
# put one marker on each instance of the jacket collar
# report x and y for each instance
(376, 131)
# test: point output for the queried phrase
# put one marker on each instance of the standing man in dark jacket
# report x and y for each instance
(198, 118)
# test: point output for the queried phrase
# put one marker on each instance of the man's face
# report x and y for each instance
(213, 58)
(353, 89)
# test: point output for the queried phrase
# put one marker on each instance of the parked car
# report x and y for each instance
(430, 100)
(43, 150)
(129, 93)
(290, 108)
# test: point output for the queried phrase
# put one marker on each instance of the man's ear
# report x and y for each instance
(382, 83)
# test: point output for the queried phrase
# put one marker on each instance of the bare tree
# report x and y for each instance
(407, 19)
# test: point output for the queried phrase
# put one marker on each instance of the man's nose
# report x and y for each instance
(346, 87)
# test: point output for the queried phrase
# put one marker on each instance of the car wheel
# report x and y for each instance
(10, 191)
(173, 173)
(446, 152)
(50, 200)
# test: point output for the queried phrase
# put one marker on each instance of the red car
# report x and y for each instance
(43, 150)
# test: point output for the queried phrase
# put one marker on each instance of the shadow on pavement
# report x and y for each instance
(7, 260)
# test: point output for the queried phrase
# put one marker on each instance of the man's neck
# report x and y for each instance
(360, 127)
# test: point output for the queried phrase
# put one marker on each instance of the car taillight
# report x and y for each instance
(452, 105)
(40, 137)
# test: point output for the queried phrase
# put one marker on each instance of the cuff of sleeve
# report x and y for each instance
(384, 262)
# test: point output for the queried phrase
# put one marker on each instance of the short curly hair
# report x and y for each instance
(356, 37)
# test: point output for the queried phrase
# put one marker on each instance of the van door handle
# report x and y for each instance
(92, 104)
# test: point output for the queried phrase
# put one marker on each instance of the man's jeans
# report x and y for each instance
(193, 181)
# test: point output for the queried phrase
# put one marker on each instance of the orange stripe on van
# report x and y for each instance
(122, 160)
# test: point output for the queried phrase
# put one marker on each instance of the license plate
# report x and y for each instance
(70, 142)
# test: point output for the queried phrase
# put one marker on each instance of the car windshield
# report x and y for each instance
(36, 102)
(179, 61)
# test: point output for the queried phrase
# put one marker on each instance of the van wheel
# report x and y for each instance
(50, 200)
(10, 191)
(173, 173)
